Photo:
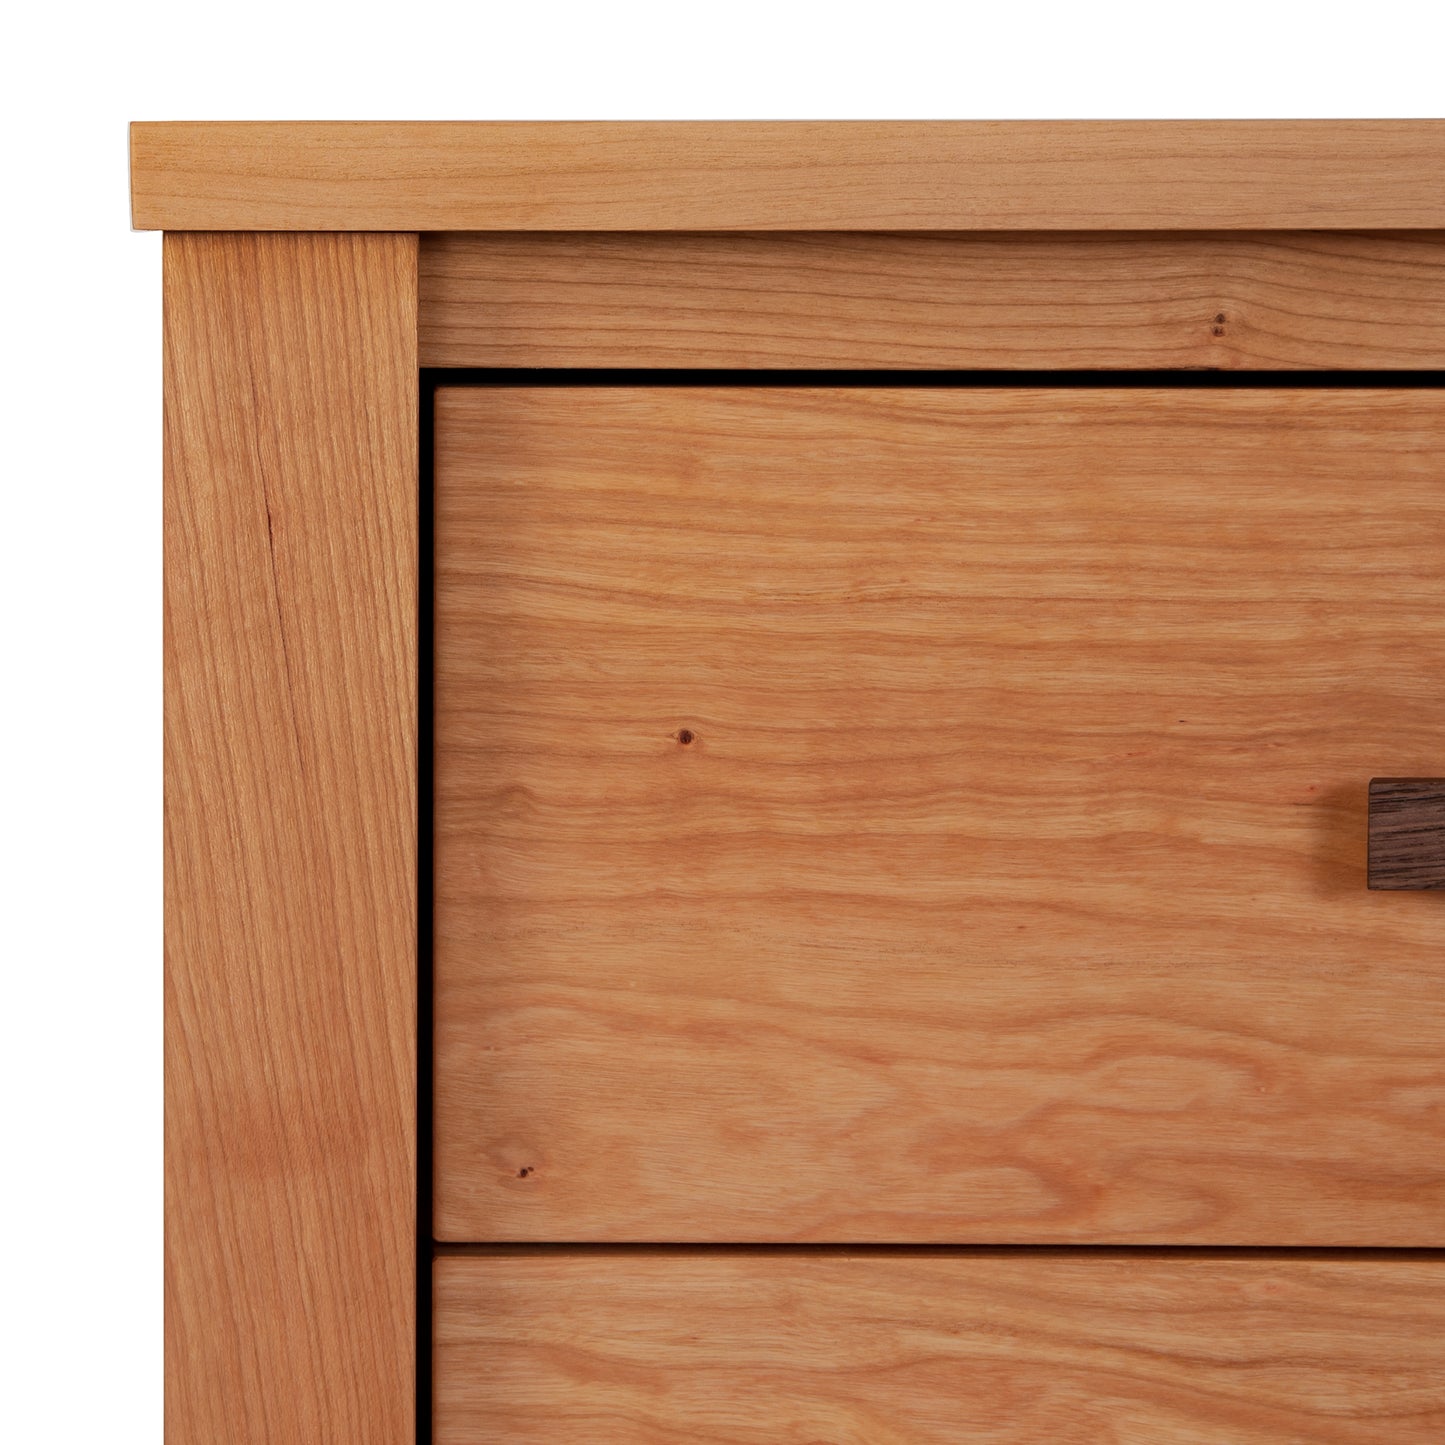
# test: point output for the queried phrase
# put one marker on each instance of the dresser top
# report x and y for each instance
(788, 175)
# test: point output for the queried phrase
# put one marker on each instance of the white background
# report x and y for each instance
(80, 813)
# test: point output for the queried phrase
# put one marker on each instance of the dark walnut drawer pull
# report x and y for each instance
(1407, 833)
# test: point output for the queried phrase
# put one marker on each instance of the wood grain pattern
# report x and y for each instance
(789, 176)
(1011, 885)
(1407, 833)
(291, 752)
(937, 301)
(917, 1350)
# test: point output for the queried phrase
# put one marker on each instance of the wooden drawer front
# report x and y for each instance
(936, 815)
(910, 1350)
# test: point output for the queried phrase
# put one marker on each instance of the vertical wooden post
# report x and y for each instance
(291, 765)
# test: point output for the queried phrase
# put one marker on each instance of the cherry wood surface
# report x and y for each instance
(788, 175)
(909, 1349)
(864, 818)
(1245, 301)
(935, 814)
(290, 773)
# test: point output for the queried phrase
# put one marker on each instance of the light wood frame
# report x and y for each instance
(291, 514)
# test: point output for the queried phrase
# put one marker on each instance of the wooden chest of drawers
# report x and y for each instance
(769, 746)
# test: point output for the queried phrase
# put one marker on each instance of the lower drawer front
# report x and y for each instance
(757, 1346)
